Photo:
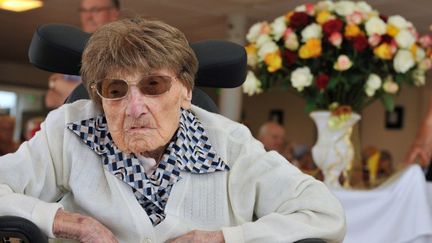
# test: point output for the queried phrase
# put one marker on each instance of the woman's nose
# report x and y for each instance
(136, 103)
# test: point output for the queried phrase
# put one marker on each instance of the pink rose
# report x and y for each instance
(374, 40)
(425, 41)
(335, 39)
(355, 18)
(343, 63)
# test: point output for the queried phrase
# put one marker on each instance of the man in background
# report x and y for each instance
(93, 14)
(272, 135)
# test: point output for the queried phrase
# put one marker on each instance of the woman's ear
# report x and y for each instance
(186, 99)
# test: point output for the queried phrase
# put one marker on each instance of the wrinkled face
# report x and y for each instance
(145, 124)
(95, 13)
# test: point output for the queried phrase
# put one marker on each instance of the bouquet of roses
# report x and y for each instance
(337, 54)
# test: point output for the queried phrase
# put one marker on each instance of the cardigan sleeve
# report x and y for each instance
(30, 178)
(273, 201)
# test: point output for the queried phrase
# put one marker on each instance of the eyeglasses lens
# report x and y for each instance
(118, 89)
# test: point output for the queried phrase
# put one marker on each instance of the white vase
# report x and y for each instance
(333, 151)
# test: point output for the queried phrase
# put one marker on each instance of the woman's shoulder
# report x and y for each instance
(76, 111)
(214, 122)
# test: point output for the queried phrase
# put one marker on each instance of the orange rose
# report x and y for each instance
(352, 30)
(312, 48)
(273, 61)
(392, 30)
(383, 51)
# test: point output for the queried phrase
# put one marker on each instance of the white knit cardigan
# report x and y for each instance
(263, 198)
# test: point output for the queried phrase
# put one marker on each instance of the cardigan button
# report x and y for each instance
(147, 240)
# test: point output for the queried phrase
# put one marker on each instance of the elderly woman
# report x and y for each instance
(139, 163)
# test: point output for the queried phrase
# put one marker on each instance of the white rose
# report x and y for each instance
(325, 6)
(375, 25)
(398, 22)
(404, 39)
(251, 85)
(373, 83)
(403, 61)
(262, 39)
(252, 59)
(311, 31)
(278, 27)
(267, 48)
(301, 8)
(291, 42)
(390, 87)
(301, 77)
(420, 54)
(425, 64)
(363, 7)
(254, 32)
(419, 77)
(345, 8)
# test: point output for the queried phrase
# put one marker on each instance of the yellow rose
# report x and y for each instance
(383, 51)
(413, 50)
(392, 30)
(273, 61)
(323, 17)
(352, 30)
(288, 16)
(312, 48)
(251, 49)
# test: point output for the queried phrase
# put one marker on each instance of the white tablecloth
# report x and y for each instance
(396, 212)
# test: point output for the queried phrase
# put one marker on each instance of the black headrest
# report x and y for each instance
(58, 48)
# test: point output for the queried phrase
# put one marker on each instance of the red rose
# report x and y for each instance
(360, 43)
(386, 39)
(299, 20)
(383, 17)
(322, 81)
(331, 26)
(290, 57)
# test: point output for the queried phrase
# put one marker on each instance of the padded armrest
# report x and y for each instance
(58, 48)
(11, 226)
(312, 240)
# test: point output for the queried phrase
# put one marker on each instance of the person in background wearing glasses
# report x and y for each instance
(93, 14)
(139, 163)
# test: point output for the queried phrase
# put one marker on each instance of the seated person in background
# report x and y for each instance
(31, 127)
(7, 127)
(59, 88)
(272, 136)
(385, 167)
(139, 163)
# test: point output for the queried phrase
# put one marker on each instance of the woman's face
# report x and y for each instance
(145, 124)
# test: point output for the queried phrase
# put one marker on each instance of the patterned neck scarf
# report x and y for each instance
(188, 151)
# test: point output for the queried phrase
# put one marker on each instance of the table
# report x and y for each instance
(399, 211)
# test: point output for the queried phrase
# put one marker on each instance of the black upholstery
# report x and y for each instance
(58, 48)
(16, 227)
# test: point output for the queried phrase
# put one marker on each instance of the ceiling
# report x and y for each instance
(198, 19)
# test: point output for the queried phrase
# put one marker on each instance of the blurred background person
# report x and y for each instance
(31, 127)
(93, 14)
(59, 88)
(421, 148)
(272, 136)
(7, 143)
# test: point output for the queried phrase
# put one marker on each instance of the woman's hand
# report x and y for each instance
(198, 236)
(422, 152)
(81, 228)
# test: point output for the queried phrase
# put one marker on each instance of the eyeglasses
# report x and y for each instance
(117, 89)
(94, 10)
